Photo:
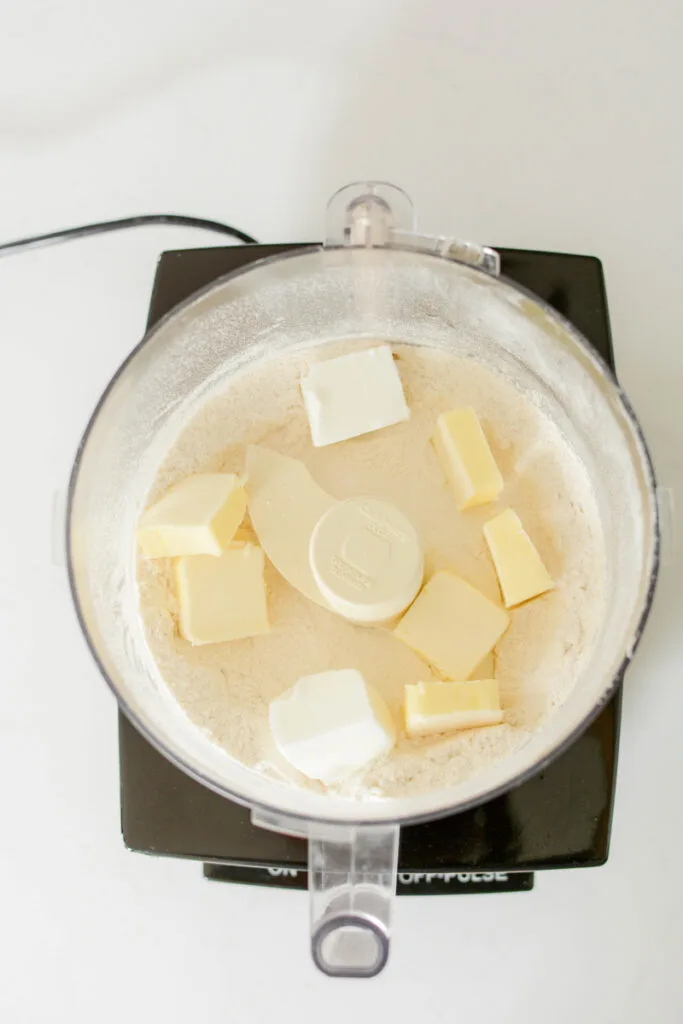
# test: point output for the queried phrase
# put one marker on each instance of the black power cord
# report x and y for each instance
(69, 234)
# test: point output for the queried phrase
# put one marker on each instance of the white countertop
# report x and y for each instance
(530, 124)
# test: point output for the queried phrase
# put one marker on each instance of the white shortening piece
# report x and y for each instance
(352, 395)
(331, 724)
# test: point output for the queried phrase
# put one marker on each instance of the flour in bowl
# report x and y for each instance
(226, 688)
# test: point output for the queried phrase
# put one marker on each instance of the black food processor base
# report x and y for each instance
(558, 819)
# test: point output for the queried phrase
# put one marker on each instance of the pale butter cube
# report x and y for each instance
(521, 572)
(353, 395)
(452, 625)
(466, 459)
(199, 516)
(331, 724)
(443, 707)
(222, 598)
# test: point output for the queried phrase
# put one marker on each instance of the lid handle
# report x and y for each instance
(367, 213)
(352, 882)
(352, 871)
(376, 214)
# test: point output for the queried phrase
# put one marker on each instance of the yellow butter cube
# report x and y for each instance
(466, 459)
(222, 598)
(441, 707)
(521, 572)
(199, 516)
(452, 625)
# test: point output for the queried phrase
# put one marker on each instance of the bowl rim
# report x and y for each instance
(538, 766)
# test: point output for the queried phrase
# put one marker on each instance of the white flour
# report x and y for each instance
(225, 688)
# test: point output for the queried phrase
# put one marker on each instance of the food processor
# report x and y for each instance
(374, 277)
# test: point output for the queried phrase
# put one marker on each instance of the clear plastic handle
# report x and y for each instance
(352, 883)
(376, 214)
(367, 213)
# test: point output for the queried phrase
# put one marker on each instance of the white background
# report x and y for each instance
(532, 124)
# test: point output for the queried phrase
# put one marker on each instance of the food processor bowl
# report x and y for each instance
(373, 278)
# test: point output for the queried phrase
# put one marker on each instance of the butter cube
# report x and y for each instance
(521, 573)
(352, 395)
(331, 724)
(222, 598)
(452, 625)
(466, 458)
(441, 707)
(199, 516)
